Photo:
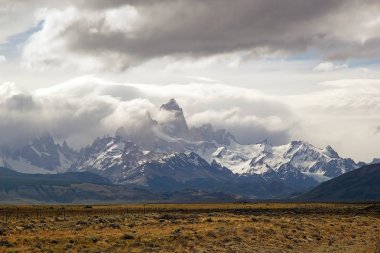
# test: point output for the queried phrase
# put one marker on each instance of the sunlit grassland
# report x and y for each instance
(234, 227)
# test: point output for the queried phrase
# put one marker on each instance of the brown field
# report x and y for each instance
(259, 227)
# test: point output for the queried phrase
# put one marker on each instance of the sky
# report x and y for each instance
(263, 69)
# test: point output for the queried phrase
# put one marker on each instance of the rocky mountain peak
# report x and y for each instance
(331, 152)
(172, 105)
(174, 123)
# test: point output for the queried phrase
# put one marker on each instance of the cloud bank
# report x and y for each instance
(84, 108)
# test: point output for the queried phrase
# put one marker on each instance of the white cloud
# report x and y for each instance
(344, 97)
(8, 89)
(329, 66)
(247, 128)
(17, 16)
(345, 114)
(3, 59)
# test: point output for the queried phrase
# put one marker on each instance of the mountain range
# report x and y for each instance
(169, 156)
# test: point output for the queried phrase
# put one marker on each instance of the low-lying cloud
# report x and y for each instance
(84, 108)
(344, 114)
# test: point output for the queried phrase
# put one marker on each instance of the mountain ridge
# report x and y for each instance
(357, 185)
(86, 187)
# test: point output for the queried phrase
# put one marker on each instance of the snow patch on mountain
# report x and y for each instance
(263, 158)
(39, 155)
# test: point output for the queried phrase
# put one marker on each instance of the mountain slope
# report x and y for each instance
(40, 155)
(358, 185)
(111, 157)
(175, 172)
(10, 178)
(69, 187)
(85, 187)
(60, 188)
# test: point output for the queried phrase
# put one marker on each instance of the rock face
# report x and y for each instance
(167, 156)
(174, 122)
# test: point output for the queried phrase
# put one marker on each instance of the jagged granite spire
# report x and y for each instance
(174, 123)
(172, 105)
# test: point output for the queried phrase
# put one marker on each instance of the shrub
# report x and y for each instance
(127, 237)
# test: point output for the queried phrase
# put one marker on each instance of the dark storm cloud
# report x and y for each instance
(202, 28)
(104, 4)
(194, 28)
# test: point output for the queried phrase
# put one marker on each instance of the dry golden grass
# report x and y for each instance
(280, 227)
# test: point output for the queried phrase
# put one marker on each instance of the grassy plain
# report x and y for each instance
(258, 227)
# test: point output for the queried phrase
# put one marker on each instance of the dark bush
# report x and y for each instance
(127, 237)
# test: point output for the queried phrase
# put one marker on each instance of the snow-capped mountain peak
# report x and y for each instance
(263, 158)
